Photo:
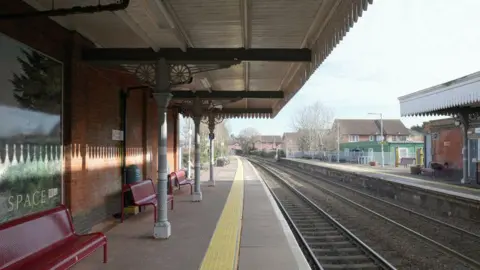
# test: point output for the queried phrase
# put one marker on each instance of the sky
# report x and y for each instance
(397, 47)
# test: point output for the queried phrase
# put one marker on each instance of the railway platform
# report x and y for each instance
(236, 226)
(400, 177)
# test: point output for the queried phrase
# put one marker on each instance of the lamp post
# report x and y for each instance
(212, 120)
(381, 134)
(338, 143)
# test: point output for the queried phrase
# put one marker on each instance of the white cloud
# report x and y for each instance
(397, 47)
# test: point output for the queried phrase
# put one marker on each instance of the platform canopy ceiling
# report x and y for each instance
(236, 46)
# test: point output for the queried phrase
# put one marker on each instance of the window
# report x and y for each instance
(402, 152)
(379, 138)
(353, 138)
(371, 138)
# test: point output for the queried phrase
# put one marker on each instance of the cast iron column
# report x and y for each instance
(211, 137)
(162, 95)
(465, 125)
(197, 116)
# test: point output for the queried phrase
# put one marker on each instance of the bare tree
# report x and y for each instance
(246, 138)
(185, 133)
(312, 123)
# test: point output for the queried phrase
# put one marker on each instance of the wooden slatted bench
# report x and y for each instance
(143, 193)
(46, 240)
(181, 179)
(405, 161)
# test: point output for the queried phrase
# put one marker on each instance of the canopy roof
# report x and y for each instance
(444, 99)
(295, 38)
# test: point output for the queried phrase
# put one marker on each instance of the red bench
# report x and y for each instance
(143, 193)
(182, 180)
(46, 240)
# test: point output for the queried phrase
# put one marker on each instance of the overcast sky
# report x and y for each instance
(397, 47)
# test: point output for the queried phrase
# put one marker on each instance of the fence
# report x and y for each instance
(349, 157)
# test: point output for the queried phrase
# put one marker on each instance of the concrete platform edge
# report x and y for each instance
(293, 245)
(408, 181)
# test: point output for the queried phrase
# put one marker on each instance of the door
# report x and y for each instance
(428, 150)
(472, 158)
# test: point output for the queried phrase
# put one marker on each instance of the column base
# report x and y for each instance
(211, 183)
(197, 196)
(162, 230)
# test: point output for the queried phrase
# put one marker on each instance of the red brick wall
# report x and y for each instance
(452, 152)
(172, 127)
(92, 177)
(266, 146)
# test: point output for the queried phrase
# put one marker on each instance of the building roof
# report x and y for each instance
(290, 136)
(440, 99)
(371, 127)
(393, 127)
(357, 126)
(270, 139)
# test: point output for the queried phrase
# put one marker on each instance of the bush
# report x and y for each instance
(26, 179)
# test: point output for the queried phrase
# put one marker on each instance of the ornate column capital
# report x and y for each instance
(162, 98)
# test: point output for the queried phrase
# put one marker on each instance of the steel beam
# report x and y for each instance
(194, 55)
(226, 94)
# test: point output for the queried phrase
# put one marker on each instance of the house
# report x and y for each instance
(233, 146)
(267, 142)
(290, 143)
(364, 138)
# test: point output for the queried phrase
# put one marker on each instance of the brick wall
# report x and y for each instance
(92, 177)
(448, 147)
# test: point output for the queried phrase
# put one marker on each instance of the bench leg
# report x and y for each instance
(191, 189)
(154, 214)
(105, 254)
(122, 207)
(171, 207)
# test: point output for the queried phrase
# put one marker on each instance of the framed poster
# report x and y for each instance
(31, 157)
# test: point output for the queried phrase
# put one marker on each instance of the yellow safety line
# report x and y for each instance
(222, 252)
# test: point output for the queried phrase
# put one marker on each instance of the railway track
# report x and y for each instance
(326, 243)
(453, 241)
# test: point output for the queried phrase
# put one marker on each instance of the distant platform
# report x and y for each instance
(397, 175)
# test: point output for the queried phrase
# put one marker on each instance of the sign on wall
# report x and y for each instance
(117, 135)
(30, 130)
